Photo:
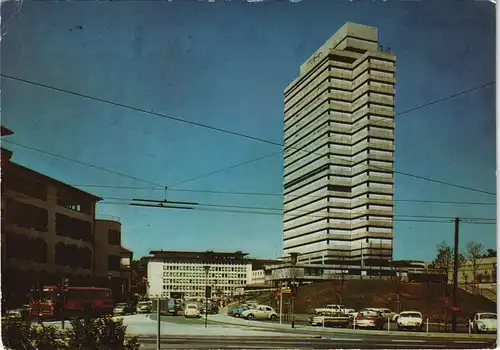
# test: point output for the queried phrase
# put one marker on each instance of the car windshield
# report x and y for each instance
(191, 307)
(143, 304)
(121, 305)
(488, 317)
(410, 314)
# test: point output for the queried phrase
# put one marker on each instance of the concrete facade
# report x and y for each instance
(49, 231)
(181, 274)
(339, 153)
(51, 222)
(112, 260)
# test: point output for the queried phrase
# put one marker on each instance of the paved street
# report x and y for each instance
(178, 333)
(288, 342)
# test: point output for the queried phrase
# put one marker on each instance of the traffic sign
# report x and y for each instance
(455, 308)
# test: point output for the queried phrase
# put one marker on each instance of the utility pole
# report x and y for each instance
(380, 259)
(208, 292)
(293, 287)
(455, 279)
(158, 316)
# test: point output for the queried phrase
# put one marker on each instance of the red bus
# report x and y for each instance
(46, 302)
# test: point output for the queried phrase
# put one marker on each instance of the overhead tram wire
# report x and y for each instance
(280, 214)
(237, 133)
(297, 211)
(276, 194)
(84, 163)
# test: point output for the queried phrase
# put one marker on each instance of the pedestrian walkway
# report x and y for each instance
(143, 325)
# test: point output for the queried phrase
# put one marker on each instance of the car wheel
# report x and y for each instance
(236, 315)
(273, 317)
(250, 316)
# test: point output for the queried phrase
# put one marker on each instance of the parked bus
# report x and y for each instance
(47, 303)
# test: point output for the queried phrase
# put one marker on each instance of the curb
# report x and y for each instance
(368, 332)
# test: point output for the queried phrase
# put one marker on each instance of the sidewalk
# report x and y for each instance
(144, 327)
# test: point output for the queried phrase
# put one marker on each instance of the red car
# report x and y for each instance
(369, 319)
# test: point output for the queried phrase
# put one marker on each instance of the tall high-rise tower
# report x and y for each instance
(339, 152)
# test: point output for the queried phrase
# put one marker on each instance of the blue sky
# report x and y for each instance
(226, 65)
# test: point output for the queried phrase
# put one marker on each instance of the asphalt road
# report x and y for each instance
(306, 342)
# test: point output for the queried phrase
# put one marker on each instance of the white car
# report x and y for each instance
(484, 322)
(192, 310)
(410, 319)
(260, 312)
(387, 314)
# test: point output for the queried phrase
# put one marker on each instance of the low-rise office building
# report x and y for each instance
(182, 274)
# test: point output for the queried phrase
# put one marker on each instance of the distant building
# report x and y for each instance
(258, 279)
(485, 271)
(339, 153)
(181, 274)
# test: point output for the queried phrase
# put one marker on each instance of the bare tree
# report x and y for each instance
(396, 281)
(443, 263)
(340, 281)
(474, 251)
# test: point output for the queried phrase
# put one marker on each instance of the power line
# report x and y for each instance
(275, 194)
(374, 123)
(439, 101)
(271, 213)
(83, 163)
(117, 104)
(306, 211)
(225, 169)
(240, 134)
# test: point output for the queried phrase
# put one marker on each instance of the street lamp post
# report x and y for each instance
(207, 269)
(293, 259)
(110, 275)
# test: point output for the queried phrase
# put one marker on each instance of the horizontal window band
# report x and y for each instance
(355, 65)
(306, 176)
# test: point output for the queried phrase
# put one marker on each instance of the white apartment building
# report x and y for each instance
(339, 152)
(181, 274)
(258, 277)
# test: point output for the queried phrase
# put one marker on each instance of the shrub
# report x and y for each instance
(84, 334)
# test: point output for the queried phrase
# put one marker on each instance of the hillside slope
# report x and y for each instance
(358, 294)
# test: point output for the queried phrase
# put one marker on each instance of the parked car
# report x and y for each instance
(192, 310)
(123, 309)
(410, 319)
(144, 307)
(351, 313)
(331, 307)
(333, 319)
(387, 313)
(370, 319)
(260, 312)
(239, 310)
(484, 322)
